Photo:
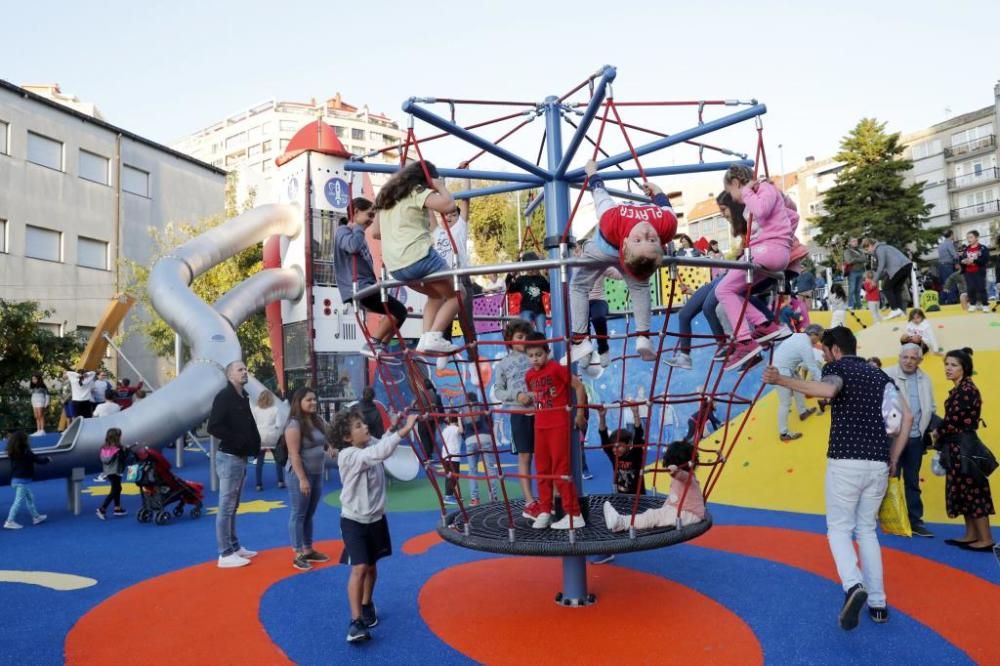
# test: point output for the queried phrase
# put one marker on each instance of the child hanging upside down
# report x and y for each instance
(678, 463)
(408, 248)
(770, 244)
(549, 384)
(635, 236)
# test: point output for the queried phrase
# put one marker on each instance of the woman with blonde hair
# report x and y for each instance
(266, 416)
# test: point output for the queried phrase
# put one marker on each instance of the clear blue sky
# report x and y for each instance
(166, 69)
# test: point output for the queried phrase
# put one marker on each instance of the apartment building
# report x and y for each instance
(78, 195)
(248, 141)
(957, 162)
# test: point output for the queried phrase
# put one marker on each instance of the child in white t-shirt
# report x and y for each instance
(451, 434)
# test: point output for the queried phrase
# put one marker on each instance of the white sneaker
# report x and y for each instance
(612, 518)
(40, 518)
(605, 359)
(442, 363)
(644, 346)
(232, 561)
(680, 360)
(894, 314)
(563, 523)
(38, 433)
(246, 552)
(11, 525)
(578, 351)
(435, 342)
(541, 522)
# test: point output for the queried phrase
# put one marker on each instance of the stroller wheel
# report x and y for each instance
(162, 517)
(179, 510)
(144, 515)
(196, 512)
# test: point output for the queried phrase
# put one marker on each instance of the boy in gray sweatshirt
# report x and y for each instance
(508, 384)
(363, 525)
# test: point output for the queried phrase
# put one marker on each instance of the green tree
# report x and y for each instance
(209, 286)
(493, 224)
(870, 198)
(27, 349)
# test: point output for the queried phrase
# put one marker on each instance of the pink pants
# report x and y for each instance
(732, 288)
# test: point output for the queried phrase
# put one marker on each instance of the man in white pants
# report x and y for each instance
(793, 353)
(861, 456)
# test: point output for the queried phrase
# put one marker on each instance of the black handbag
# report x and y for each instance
(976, 457)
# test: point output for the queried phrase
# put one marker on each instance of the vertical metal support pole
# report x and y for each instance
(179, 445)
(574, 588)
(212, 472)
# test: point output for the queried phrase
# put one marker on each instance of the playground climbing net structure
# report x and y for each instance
(497, 526)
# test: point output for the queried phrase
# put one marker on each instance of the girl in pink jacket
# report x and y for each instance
(770, 242)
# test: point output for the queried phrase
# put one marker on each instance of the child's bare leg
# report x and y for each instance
(448, 308)
(368, 588)
(524, 469)
(356, 587)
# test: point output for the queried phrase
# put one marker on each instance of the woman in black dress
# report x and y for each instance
(965, 495)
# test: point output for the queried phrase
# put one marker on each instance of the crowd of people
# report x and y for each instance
(83, 393)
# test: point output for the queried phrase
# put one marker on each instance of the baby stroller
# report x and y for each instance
(160, 488)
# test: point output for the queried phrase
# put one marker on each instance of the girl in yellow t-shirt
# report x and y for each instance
(403, 224)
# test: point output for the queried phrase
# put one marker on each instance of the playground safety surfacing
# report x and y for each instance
(759, 587)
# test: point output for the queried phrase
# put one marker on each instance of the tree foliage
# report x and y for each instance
(209, 286)
(870, 198)
(493, 224)
(27, 349)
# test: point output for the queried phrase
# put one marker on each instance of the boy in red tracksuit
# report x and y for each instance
(549, 384)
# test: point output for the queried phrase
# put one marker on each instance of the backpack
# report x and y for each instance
(108, 454)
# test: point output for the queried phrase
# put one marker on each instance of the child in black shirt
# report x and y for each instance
(532, 286)
(626, 452)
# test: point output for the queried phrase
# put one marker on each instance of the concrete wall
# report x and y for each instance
(30, 194)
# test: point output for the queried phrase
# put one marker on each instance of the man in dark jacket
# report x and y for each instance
(232, 423)
(369, 412)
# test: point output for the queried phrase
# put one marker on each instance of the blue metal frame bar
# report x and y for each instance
(493, 189)
(596, 100)
(672, 170)
(674, 139)
(410, 106)
(534, 203)
(452, 173)
(619, 194)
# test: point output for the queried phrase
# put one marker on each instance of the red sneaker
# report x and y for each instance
(743, 353)
(771, 331)
(474, 501)
(532, 510)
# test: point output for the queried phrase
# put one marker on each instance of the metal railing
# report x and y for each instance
(970, 179)
(969, 147)
(976, 210)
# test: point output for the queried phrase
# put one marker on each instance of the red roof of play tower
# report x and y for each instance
(318, 137)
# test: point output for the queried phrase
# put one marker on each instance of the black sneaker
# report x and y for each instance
(878, 615)
(368, 615)
(854, 601)
(357, 631)
(301, 563)
(921, 531)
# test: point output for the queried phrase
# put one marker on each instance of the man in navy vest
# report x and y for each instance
(861, 456)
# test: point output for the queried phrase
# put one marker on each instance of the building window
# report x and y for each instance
(266, 165)
(283, 144)
(253, 151)
(93, 167)
(135, 180)
(266, 146)
(926, 149)
(4, 131)
(389, 139)
(358, 134)
(288, 125)
(266, 128)
(45, 151)
(54, 329)
(254, 134)
(339, 131)
(3, 236)
(42, 243)
(236, 140)
(91, 253)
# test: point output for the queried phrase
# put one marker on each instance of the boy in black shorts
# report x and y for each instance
(363, 525)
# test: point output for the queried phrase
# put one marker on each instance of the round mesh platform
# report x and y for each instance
(488, 530)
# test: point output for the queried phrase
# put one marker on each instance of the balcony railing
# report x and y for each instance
(976, 210)
(969, 147)
(968, 180)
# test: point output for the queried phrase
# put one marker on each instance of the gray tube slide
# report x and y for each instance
(210, 332)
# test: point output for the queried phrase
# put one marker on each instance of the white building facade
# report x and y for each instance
(77, 196)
